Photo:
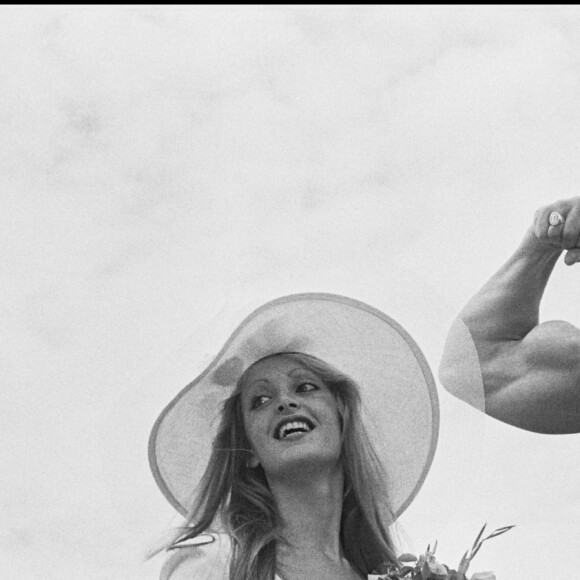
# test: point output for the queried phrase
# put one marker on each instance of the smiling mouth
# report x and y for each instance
(292, 429)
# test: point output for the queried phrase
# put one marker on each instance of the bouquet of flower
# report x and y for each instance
(426, 567)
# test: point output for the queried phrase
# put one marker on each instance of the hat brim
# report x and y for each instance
(400, 407)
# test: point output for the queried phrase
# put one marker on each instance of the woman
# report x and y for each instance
(309, 464)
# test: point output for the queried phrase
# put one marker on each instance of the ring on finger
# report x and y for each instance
(556, 218)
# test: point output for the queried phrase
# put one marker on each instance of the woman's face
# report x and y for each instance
(290, 416)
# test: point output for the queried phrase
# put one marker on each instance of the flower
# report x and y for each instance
(426, 567)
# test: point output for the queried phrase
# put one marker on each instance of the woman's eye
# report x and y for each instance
(307, 387)
(258, 401)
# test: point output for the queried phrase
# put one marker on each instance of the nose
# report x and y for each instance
(287, 402)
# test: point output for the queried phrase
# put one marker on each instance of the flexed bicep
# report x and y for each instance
(543, 394)
(529, 371)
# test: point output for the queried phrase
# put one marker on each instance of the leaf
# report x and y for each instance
(464, 564)
(478, 536)
(472, 555)
(425, 571)
(465, 561)
(495, 533)
(499, 532)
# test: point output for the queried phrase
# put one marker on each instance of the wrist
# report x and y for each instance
(534, 248)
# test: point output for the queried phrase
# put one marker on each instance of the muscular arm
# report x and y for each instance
(530, 372)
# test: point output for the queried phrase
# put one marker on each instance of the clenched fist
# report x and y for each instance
(558, 225)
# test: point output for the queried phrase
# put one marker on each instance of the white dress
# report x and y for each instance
(205, 557)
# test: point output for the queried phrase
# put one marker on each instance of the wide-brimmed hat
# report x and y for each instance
(400, 407)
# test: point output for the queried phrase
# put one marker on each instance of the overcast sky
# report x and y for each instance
(167, 168)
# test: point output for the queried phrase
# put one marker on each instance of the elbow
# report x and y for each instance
(460, 369)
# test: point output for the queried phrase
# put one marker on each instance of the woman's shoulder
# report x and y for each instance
(204, 557)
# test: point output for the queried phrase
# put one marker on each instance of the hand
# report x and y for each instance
(564, 236)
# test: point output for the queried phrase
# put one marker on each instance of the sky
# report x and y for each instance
(166, 169)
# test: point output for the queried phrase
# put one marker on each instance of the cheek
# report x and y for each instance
(253, 429)
(340, 412)
(330, 413)
(333, 409)
(338, 417)
(247, 428)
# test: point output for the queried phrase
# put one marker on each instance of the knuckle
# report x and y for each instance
(540, 212)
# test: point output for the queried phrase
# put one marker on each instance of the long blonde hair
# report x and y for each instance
(238, 498)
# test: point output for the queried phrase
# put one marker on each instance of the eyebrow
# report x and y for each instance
(258, 383)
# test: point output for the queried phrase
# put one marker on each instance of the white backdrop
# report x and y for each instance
(165, 168)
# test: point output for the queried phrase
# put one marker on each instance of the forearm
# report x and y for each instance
(507, 306)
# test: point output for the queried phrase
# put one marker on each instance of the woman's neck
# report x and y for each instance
(310, 508)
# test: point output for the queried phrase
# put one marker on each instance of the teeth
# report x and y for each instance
(293, 425)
